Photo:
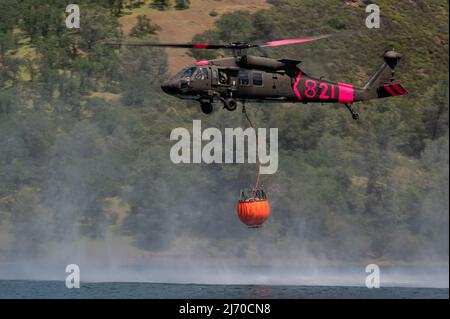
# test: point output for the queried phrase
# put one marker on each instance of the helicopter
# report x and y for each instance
(243, 77)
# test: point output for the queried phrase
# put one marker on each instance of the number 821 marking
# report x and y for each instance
(311, 90)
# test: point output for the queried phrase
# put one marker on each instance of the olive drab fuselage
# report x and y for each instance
(260, 79)
(223, 77)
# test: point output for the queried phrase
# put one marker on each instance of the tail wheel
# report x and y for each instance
(207, 107)
(230, 104)
(354, 114)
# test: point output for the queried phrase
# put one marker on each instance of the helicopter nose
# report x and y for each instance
(170, 87)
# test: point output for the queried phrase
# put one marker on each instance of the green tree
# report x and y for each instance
(182, 4)
(116, 6)
(160, 4)
(143, 27)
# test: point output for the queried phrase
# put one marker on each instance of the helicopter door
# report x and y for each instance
(201, 79)
(225, 80)
(220, 77)
(224, 76)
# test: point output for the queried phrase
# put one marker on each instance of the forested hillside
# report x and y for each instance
(85, 128)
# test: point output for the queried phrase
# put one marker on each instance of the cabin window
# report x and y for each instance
(244, 78)
(257, 79)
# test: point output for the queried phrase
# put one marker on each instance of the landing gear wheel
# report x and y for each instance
(230, 104)
(354, 114)
(207, 107)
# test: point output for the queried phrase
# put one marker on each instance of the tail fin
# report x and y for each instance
(382, 84)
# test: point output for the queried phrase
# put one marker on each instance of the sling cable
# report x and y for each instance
(253, 207)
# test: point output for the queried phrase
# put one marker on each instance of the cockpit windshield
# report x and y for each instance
(187, 72)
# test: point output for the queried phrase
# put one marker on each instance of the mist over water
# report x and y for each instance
(189, 260)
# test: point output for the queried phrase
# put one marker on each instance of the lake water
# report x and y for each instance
(57, 289)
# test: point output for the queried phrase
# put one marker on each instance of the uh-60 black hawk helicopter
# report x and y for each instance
(257, 78)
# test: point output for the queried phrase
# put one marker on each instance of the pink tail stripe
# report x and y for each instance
(390, 90)
(399, 89)
(297, 81)
(346, 93)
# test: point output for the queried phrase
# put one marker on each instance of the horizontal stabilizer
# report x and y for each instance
(391, 89)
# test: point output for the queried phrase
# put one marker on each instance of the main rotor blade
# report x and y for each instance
(170, 45)
(293, 41)
(232, 46)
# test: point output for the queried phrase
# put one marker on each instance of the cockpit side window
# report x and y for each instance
(201, 74)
